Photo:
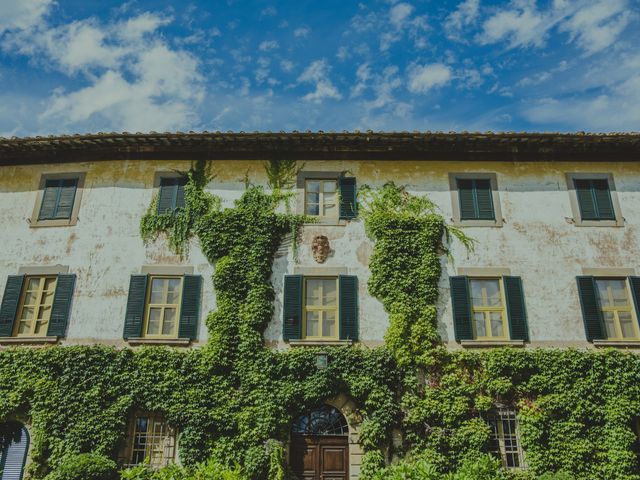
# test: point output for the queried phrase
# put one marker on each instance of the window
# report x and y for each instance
(58, 200)
(321, 308)
(488, 308)
(163, 307)
(475, 199)
(171, 196)
(35, 306)
(617, 312)
(320, 199)
(505, 441)
(151, 439)
(594, 200)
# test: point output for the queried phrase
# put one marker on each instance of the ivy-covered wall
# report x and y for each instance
(231, 397)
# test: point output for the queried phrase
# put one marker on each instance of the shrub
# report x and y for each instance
(85, 466)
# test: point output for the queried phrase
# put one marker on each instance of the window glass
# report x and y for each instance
(505, 441)
(489, 315)
(321, 198)
(152, 440)
(35, 307)
(617, 312)
(163, 306)
(321, 307)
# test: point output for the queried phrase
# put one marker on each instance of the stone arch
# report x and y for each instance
(347, 406)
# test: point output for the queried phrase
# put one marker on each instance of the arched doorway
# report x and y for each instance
(14, 445)
(320, 445)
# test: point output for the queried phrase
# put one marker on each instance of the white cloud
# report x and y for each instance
(464, 15)
(521, 26)
(301, 32)
(286, 65)
(363, 74)
(318, 73)
(343, 53)
(422, 78)
(22, 14)
(399, 14)
(269, 11)
(268, 45)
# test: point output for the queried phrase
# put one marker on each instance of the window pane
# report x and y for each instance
(496, 324)
(27, 313)
(314, 292)
(626, 325)
(329, 293)
(612, 292)
(47, 297)
(169, 321)
(30, 298)
(33, 284)
(154, 321)
(157, 290)
(330, 186)
(313, 186)
(50, 284)
(313, 324)
(329, 324)
(486, 293)
(24, 327)
(173, 296)
(478, 318)
(609, 324)
(312, 209)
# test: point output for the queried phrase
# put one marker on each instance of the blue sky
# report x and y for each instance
(72, 66)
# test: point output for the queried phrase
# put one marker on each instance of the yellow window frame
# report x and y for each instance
(36, 306)
(160, 441)
(321, 200)
(488, 310)
(163, 306)
(500, 416)
(617, 309)
(312, 308)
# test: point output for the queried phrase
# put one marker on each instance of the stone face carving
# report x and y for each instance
(320, 248)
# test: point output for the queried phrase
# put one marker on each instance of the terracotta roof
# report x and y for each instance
(504, 146)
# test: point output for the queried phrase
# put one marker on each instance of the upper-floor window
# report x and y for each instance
(488, 308)
(171, 194)
(320, 198)
(610, 307)
(330, 197)
(594, 200)
(36, 305)
(505, 439)
(58, 200)
(321, 308)
(163, 307)
(475, 199)
(150, 439)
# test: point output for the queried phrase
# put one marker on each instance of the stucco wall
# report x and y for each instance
(537, 240)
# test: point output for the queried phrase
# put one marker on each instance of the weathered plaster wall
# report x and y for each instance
(537, 241)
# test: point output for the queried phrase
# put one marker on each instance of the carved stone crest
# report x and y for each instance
(320, 248)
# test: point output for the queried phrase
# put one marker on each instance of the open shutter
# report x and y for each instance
(602, 199)
(10, 302)
(348, 286)
(484, 199)
(465, 194)
(461, 308)
(135, 306)
(66, 197)
(635, 293)
(516, 311)
(190, 308)
(49, 200)
(168, 195)
(591, 313)
(348, 207)
(292, 308)
(14, 456)
(61, 306)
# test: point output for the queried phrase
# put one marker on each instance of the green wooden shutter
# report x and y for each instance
(516, 310)
(466, 197)
(61, 306)
(292, 307)
(10, 302)
(484, 199)
(590, 304)
(180, 193)
(461, 304)
(190, 308)
(602, 199)
(49, 200)
(168, 195)
(586, 201)
(635, 293)
(66, 197)
(134, 316)
(348, 287)
(13, 457)
(348, 194)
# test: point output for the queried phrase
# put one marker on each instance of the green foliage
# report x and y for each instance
(210, 470)
(483, 468)
(86, 466)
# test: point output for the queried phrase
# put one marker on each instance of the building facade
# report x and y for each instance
(555, 221)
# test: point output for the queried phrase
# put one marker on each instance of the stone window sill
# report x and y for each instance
(178, 342)
(328, 222)
(319, 343)
(27, 340)
(491, 343)
(617, 343)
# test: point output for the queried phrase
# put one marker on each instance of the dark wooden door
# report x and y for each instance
(320, 457)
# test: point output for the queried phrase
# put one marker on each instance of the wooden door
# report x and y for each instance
(320, 457)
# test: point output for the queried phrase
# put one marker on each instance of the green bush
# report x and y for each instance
(85, 466)
(210, 470)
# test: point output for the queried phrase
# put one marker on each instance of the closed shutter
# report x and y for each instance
(461, 304)
(135, 306)
(49, 200)
(635, 293)
(484, 199)
(14, 445)
(190, 308)
(61, 306)
(602, 199)
(516, 310)
(180, 193)
(292, 308)
(171, 194)
(348, 194)
(348, 287)
(10, 302)
(594, 199)
(591, 313)
(465, 194)
(66, 197)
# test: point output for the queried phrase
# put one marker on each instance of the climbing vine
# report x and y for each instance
(234, 399)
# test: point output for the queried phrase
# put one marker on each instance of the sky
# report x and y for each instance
(77, 66)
